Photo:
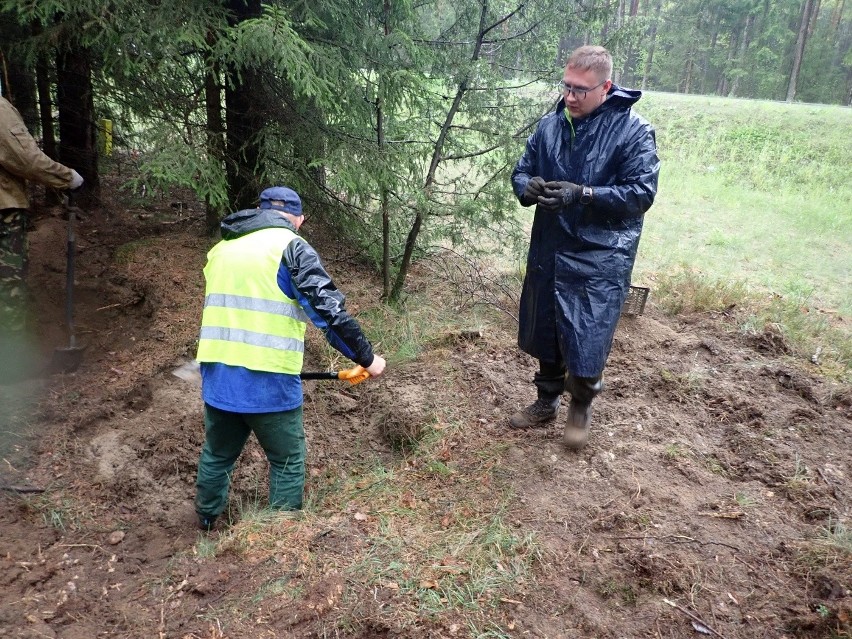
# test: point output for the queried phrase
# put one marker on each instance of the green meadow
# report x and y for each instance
(753, 193)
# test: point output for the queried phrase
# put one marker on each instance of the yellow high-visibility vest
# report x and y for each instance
(247, 320)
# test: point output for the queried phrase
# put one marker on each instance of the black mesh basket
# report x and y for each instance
(635, 302)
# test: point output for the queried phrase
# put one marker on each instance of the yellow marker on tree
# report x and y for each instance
(106, 130)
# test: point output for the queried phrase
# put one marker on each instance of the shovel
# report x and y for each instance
(66, 359)
(352, 375)
(191, 372)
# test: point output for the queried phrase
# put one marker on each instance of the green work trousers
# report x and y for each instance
(282, 437)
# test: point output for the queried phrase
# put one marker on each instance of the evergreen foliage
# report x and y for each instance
(399, 121)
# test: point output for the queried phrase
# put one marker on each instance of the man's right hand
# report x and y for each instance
(533, 189)
(377, 367)
(76, 180)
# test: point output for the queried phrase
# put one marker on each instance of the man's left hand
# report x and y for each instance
(559, 194)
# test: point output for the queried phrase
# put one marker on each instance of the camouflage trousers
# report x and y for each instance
(13, 267)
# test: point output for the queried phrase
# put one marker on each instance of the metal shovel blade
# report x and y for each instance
(66, 359)
(190, 372)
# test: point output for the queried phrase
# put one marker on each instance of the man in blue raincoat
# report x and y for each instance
(591, 169)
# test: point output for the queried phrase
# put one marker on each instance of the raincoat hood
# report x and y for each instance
(617, 97)
(249, 220)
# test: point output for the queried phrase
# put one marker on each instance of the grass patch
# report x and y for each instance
(797, 327)
(675, 451)
(127, 253)
(62, 513)
(685, 384)
(753, 192)
(690, 291)
(830, 548)
(715, 466)
(429, 533)
(744, 500)
(800, 481)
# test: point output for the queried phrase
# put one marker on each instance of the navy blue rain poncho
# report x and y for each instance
(581, 258)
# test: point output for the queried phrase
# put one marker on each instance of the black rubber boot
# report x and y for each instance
(576, 433)
(539, 413)
(583, 390)
(206, 522)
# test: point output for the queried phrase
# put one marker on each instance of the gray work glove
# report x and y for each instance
(533, 189)
(559, 194)
(76, 180)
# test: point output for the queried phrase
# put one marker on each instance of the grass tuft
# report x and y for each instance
(780, 324)
(430, 536)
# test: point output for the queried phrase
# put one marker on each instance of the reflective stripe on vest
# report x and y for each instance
(248, 321)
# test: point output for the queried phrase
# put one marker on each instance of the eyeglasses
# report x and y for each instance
(577, 92)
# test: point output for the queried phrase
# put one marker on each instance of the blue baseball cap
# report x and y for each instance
(292, 201)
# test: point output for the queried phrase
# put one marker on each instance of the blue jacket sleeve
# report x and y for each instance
(302, 277)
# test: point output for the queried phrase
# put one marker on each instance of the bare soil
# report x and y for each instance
(712, 500)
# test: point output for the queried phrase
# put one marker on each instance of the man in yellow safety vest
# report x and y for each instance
(263, 283)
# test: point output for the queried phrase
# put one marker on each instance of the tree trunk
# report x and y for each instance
(16, 78)
(652, 37)
(628, 74)
(215, 132)
(745, 40)
(45, 106)
(690, 57)
(77, 134)
(437, 151)
(383, 190)
(722, 88)
(619, 22)
(22, 93)
(813, 19)
(836, 16)
(687, 72)
(244, 106)
(799, 50)
(708, 55)
(849, 93)
(45, 109)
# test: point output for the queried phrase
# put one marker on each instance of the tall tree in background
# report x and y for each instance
(799, 49)
(56, 34)
(77, 121)
(748, 48)
(16, 77)
(652, 43)
(245, 98)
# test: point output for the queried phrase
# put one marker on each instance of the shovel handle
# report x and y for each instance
(71, 249)
(354, 375)
(318, 375)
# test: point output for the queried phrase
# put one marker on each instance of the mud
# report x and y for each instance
(718, 465)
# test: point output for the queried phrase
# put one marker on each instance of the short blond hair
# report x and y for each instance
(591, 58)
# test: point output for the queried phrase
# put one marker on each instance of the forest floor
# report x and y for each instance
(712, 500)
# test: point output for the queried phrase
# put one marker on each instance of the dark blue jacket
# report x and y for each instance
(301, 276)
(581, 258)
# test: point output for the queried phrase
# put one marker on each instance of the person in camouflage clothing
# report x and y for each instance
(20, 160)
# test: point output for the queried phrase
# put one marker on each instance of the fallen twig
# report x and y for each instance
(23, 490)
(677, 539)
(694, 617)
